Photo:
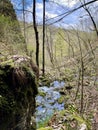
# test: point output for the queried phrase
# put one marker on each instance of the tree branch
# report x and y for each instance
(69, 12)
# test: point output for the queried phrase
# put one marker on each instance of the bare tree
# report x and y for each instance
(24, 31)
(50, 44)
(43, 49)
(90, 15)
(36, 32)
(63, 15)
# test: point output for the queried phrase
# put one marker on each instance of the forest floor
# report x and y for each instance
(71, 118)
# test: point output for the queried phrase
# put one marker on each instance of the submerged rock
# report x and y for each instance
(18, 88)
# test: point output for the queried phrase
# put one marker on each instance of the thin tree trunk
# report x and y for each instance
(36, 32)
(23, 4)
(91, 17)
(49, 47)
(82, 76)
(43, 49)
(78, 83)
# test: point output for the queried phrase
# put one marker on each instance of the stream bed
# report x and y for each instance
(48, 104)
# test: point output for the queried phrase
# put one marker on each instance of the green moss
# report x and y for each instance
(45, 80)
(8, 62)
(61, 99)
(62, 112)
(46, 128)
(67, 97)
(43, 94)
(44, 123)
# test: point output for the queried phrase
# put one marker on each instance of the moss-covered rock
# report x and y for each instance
(61, 99)
(18, 88)
(43, 94)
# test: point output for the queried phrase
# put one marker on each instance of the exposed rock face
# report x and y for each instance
(18, 88)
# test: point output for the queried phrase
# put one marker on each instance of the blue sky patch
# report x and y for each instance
(53, 9)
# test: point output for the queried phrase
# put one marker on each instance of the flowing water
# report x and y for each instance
(48, 104)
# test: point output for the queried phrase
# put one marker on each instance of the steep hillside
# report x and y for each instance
(6, 9)
(11, 39)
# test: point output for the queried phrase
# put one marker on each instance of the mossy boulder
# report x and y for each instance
(18, 88)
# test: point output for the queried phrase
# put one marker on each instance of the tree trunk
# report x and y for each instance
(43, 50)
(23, 4)
(36, 32)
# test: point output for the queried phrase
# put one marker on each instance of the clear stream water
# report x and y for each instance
(49, 103)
